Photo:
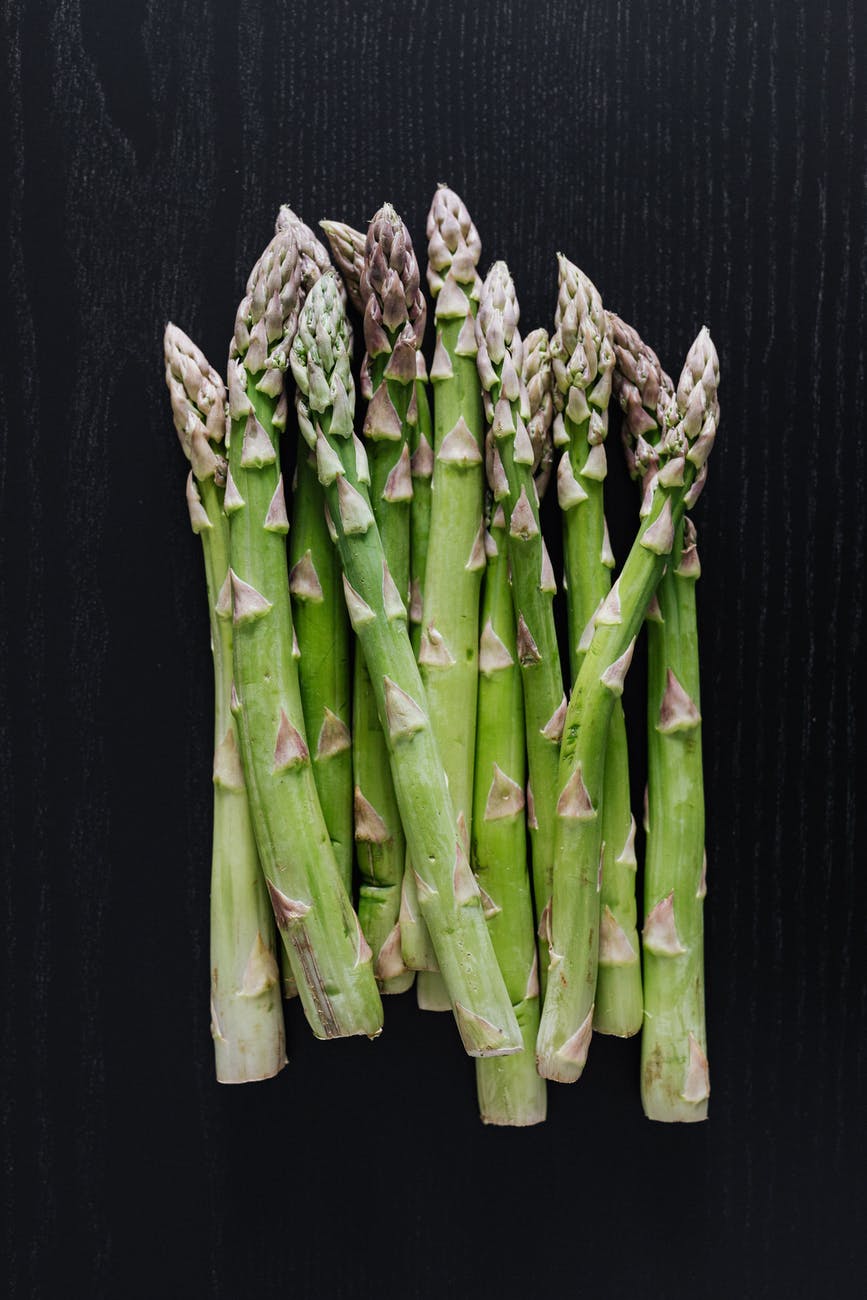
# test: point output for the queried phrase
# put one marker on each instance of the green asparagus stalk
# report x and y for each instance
(246, 1016)
(510, 1089)
(322, 683)
(500, 360)
(394, 309)
(347, 246)
(329, 956)
(583, 359)
(674, 1071)
(319, 617)
(567, 1014)
(422, 465)
(447, 890)
(448, 653)
(322, 631)
(448, 645)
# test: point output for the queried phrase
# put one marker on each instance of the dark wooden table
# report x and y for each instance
(703, 162)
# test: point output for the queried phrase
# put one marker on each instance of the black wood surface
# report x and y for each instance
(703, 162)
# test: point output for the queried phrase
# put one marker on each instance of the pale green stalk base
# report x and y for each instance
(510, 1091)
(431, 992)
(246, 1015)
(674, 1075)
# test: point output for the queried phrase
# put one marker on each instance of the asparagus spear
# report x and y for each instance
(500, 360)
(421, 464)
(347, 246)
(447, 889)
(448, 646)
(415, 941)
(322, 632)
(328, 953)
(319, 616)
(674, 1071)
(394, 309)
(567, 1015)
(510, 1090)
(538, 379)
(322, 682)
(583, 359)
(246, 1016)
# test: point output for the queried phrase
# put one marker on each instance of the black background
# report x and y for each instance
(704, 163)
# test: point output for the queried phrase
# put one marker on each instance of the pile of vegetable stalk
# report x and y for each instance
(410, 787)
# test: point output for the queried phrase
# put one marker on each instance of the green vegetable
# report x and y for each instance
(583, 358)
(447, 890)
(567, 1015)
(394, 310)
(509, 1088)
(246, 1016)
(674, 1071)
(329, 956)
(511, 475)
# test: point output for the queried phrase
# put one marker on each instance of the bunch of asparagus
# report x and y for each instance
(409, 786)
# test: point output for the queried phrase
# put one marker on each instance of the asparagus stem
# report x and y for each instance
(393, 308)
(448, 893)
(327, 950)
(432, 992)
(448, 652)
(246, 1016)
(322, 632)
(348, 246)
(448, 639)
(510, 1090)
(674, 1071)
(421, 465)
(319, 617)
(567, 1015)
(510, 472)
(416, 946)
(583, 359)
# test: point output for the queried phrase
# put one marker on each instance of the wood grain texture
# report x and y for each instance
(704, 163)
